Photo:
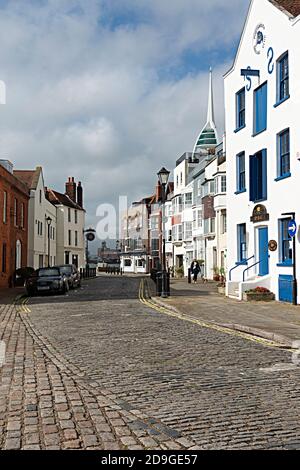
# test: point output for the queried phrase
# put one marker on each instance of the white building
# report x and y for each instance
(70, 240)
(263, 144)
(39, 210)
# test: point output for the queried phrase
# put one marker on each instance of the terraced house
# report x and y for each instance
(263, 152)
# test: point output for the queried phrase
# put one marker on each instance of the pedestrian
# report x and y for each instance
(195, 270)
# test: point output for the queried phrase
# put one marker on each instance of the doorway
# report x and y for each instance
(263, 249)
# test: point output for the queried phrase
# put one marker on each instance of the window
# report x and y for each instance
(76, 217)
(223, 184)
(69, 215)
(241, 109)
(4, 207)
(76, 238)
(4, 257)
(209, 226)
(242, 243)
(70, 238)
(188, 200)
(67, 257)
(181, 178)
(283, 143)
(154, 245)
(223, 222)
(260, 108)
(286, 243)
(188, 230)
(18, 254)
(258, 176)
(283, 78)
(15, 212)
(22, 215)
(200, 220)
(199, 185)
(177, 180)
(241, 172)
(40, 197)
(127, 263)
(41, 228)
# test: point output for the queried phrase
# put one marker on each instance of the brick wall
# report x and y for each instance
(15, 228)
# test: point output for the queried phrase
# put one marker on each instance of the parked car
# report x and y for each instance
(47, 280)
(72, 274)
(21, 276)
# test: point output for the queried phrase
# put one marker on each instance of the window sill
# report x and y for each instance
(241, 263)
(288, 175)
(242, 191)
(259, 200)
(285, 265)
(281, 101)
(239, 129)
(259, 132)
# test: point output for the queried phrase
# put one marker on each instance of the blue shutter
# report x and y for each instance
(264, 174)
(261, 102)
(252, 178)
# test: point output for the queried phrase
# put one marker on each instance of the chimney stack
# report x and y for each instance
(158, 192)
(71, 189)
(80, 195)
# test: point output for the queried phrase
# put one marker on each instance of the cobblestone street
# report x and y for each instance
(98, 369)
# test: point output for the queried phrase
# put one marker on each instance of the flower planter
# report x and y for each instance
(258, 296)
(216, 277)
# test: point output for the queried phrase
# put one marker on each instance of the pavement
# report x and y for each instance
(275, 321)
(101, 369)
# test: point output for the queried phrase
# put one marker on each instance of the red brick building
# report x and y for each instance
(14, 197)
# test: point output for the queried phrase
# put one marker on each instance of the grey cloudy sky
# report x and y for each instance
(108, 91)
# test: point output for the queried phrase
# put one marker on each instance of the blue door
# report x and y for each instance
(263, 241)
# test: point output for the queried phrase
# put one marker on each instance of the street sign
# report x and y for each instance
(292, 228)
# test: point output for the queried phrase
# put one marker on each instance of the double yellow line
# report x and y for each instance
(23, 305)
(172, 313)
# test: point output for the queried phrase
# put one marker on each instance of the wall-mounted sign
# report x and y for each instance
(260, 214)
(259, 38)
(273, 245)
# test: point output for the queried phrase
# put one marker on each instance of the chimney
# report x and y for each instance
(80, 195)
(158, 192)
(71, 189)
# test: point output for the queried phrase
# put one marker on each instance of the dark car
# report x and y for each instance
(47, 281)
(72, 274)
(21, 276)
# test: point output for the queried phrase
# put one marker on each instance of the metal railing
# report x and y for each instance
(253, 265)
(238, 265)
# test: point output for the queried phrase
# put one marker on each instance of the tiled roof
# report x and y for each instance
(57, 198)
(291, 6)
(29, 177)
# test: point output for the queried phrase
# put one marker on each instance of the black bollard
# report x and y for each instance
(189, 276)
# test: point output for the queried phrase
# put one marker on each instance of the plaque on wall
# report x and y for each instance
(260, 214)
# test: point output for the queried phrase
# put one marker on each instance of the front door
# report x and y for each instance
(263, 243)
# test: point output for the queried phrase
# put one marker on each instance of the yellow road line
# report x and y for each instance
(171, 313)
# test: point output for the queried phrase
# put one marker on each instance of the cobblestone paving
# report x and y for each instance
(220, 391)
(47, 402)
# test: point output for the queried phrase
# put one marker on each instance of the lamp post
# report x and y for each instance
(90, 237)
(49, 222)
(163, 176)
(295, 283)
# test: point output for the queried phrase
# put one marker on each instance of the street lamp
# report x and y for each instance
(163, 176)
(295, 283)
(90, 235)
(49, 222)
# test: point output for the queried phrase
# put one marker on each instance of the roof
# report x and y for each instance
(290, 6)
(57, 198)
(29, 177)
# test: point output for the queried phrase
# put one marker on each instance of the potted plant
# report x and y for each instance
(180, 272)
(222, 275)
(216, 271)
(259, 294)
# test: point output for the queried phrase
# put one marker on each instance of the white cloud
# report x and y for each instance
(91, 91)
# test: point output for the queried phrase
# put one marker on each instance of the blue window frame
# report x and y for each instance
(242, 243)
(258, 176)
(260, 108)
(241, 109)
(283, 86)
(286, 243)
(241, 172)
(283, 152)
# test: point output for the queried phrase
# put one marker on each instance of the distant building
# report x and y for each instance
(14, 197)
(70, 240)
(40, 209)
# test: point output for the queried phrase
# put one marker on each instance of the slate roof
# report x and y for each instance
(290, 6)
(57, 198)
(29, 177)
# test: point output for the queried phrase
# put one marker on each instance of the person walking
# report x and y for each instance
(195, 270)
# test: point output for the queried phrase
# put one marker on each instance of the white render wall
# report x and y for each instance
(282, 35)
(63, 227)
(38, 212)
